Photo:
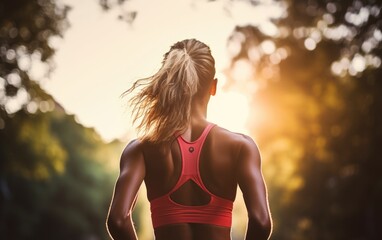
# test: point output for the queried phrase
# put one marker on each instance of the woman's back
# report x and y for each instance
(191, 180)
(217, 165)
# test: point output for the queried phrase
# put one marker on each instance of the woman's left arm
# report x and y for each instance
(132, 172)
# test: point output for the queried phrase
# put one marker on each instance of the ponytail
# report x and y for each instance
(163, 104)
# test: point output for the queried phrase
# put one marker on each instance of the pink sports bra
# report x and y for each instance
(218, 211)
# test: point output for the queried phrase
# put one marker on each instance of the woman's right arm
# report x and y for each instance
(132, 172)
(251, 182)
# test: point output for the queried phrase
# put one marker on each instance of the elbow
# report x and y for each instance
(263, 225)
(266, 225)
(112, 226)
(116, 224)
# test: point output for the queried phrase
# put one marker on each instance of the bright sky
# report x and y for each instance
(100, 56)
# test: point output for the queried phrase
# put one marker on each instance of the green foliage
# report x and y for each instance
(28, 147)
(71, 203)
(56, 176)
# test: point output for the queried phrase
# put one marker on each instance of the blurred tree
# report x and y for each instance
(56, 176)
(70, 204)
(316, 84)
(29, 149)
(28, 30)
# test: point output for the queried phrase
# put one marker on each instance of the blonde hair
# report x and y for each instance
(163, 104)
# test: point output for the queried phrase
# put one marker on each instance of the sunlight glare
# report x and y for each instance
(229, 110)
(358, 63)
(268, 46)
(310, 44)
(242, 70)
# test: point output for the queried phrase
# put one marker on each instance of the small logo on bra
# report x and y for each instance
(191, 149)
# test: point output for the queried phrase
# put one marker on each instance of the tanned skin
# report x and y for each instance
(227, 160)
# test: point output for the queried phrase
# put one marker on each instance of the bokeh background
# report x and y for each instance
(302, 77)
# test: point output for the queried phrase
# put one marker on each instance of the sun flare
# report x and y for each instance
(229, 110)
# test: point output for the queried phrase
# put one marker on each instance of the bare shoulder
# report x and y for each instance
(132, 152)
(248, 144)
(243, 144)
(235, 138)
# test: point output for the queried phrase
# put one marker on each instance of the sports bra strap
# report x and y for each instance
(165, 211)
(190, 159)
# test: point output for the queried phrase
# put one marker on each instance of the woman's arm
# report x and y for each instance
(252, 185)
(132, 172)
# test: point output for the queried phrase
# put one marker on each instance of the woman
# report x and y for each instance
(191, 168)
